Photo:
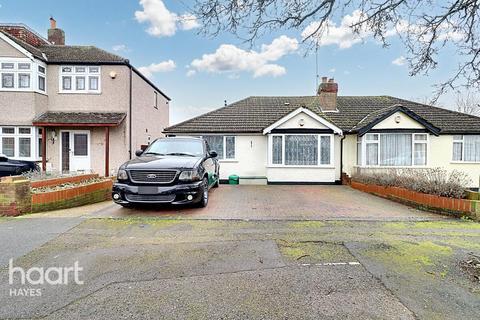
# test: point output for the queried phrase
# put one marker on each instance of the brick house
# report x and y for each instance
(73, 108)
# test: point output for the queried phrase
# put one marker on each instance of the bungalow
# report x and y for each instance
(316, 139)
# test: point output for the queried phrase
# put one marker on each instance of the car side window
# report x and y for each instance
(207, 147)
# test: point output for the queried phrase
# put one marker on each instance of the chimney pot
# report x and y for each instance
(53, 23)
(324, 79)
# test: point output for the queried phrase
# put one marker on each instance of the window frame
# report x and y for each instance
(75, 73)
(224, 137)
(319, 136)
(365, 141)
(33, 136)
(462, 141)
(18, 67)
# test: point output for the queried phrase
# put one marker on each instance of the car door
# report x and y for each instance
(210, 165)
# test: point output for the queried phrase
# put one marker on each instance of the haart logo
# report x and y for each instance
(37, 276)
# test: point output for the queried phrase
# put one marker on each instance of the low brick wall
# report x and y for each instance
(429, 202)
(16, 197)
(58, 181)
(74, 197)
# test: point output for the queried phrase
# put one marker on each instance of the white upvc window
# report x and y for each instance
(80, 79)
(301, 150)
(22, 74)
(19, 142)
(392, 149)
(466, 148)
(225, 146)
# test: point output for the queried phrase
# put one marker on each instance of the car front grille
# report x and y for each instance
(151, 176)
(150, 198)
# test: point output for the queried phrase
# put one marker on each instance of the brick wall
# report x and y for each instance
(15, 198)
(420, 200)
(73, 197)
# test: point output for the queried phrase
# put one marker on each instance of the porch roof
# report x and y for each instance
(84, 119)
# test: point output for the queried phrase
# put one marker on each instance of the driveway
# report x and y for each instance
(286, 202)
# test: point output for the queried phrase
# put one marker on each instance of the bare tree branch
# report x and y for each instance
(425, 27)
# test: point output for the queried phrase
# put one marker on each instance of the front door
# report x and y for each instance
(75, 150)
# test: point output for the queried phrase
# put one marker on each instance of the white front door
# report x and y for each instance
(75, 150)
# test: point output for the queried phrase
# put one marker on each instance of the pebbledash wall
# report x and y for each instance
(16, 197)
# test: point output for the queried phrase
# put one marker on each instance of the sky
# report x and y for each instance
(199, 73)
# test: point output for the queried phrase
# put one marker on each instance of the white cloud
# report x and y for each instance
(229, 58)
(400, 61)
(332, 70)
(120, 47)
(164, 66)
(163, 22)
(188, 21)
(191, 73)
(342, 35)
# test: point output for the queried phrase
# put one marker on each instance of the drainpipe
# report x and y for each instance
(130, 115)
(341, 157)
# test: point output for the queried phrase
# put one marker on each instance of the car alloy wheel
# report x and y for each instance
(204, 201)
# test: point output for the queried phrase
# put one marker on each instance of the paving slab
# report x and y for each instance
(282, 202)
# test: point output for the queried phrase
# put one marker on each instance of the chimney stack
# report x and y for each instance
(327, 93)
(55, 36)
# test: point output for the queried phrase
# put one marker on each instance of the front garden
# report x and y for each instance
(22, 194)
(433, 189)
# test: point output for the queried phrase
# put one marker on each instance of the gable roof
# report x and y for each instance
(311, 114)
(254, 114)
(374, 118)
(35, 52)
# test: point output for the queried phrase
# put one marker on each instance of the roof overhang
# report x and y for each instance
(79, 119)
(428, 126)
(308, 112)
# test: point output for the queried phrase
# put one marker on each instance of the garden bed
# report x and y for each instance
(457, 207)
(19, 195)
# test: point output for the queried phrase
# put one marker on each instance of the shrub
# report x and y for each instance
(436, 181)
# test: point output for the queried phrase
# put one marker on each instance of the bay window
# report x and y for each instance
(223, 145)
(466, 148)
(301, 149)
(393, 149)
(19, 142)
(21, 74)
(79, 79)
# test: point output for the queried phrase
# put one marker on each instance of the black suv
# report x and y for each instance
(177, 170)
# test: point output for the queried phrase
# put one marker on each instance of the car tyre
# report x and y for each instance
(217, 182)
(204, 200)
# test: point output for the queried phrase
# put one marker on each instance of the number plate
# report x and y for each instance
(147, 190)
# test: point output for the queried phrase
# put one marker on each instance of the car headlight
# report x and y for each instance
(122, 175)
(189, 176)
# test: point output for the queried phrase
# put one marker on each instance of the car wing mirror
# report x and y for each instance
(213, 154)
(138, 153)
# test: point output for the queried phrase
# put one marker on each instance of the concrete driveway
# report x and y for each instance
(283, 202)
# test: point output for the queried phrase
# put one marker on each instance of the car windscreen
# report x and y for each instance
(176, 147)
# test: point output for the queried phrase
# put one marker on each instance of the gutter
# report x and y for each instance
(130, 116)
(341, 157)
